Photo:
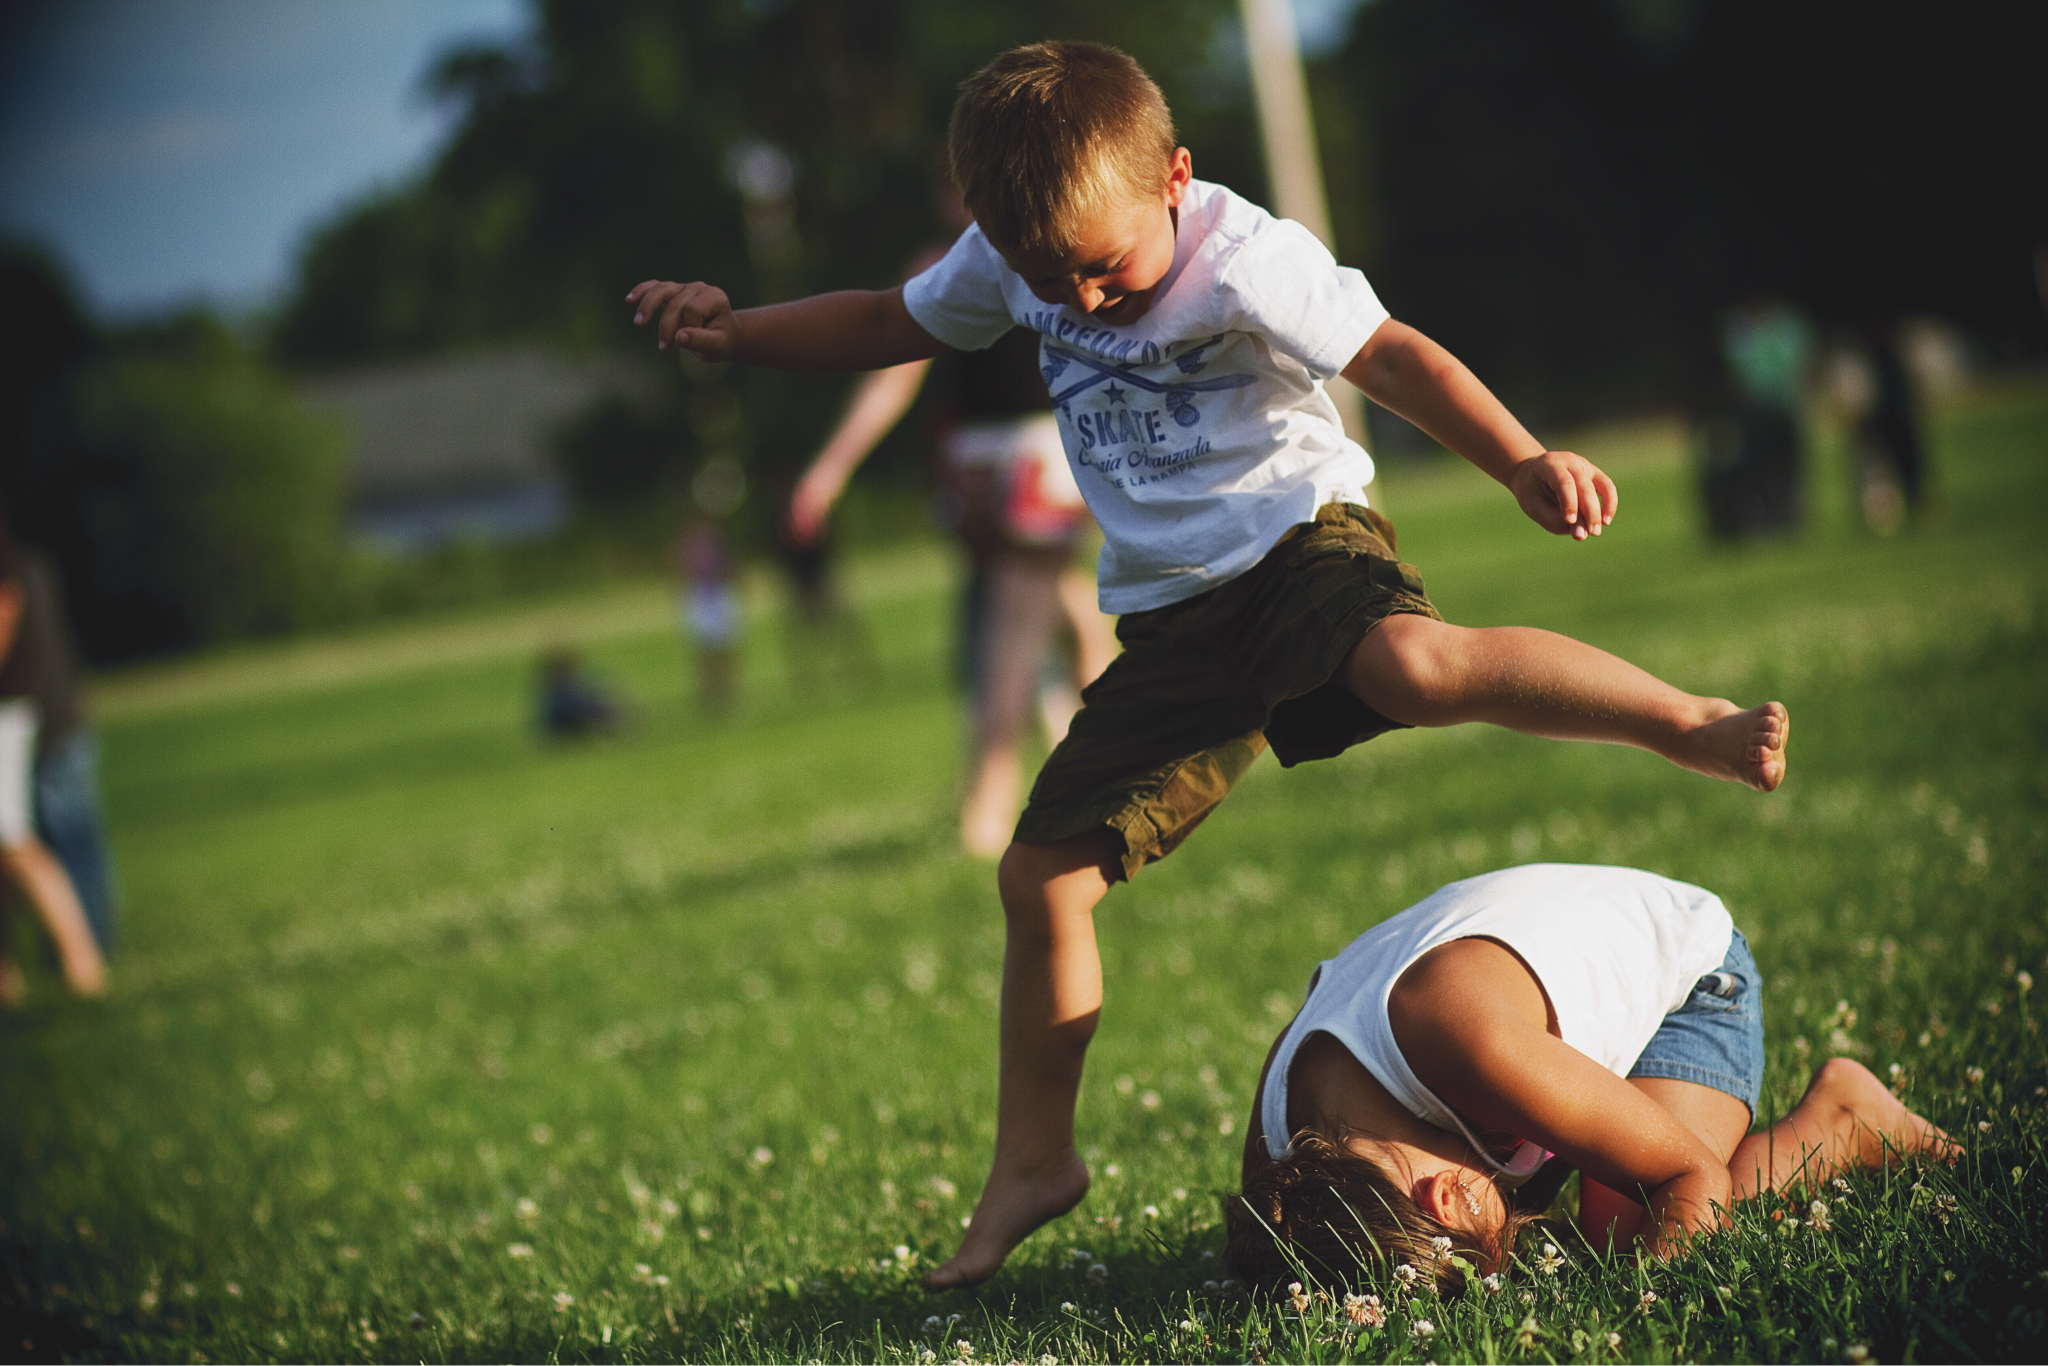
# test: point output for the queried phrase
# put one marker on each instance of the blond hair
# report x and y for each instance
(1046, 136)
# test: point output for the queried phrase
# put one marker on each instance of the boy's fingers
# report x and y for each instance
(1567, 494)
(1610, 496)
(1589, 499)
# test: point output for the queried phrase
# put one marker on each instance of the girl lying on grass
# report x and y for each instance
(1606, 1017)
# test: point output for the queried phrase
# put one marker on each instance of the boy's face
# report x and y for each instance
(1118, 257)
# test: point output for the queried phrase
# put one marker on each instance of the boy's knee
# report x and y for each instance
(1027, 872)
(1404, 664)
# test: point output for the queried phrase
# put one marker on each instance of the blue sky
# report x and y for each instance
(174, 150)
(171, 151)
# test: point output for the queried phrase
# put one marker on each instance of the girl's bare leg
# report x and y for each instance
(1052, 996)
(1846, 1119)
(1094, 633)
(1424, 672)
(48, 888)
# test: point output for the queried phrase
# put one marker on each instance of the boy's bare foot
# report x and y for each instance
(1885, 1129)
(1012, 1205)
(1740, 746)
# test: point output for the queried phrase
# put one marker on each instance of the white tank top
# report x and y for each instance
(1616, 950)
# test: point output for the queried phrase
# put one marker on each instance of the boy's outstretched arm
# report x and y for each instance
(853, 329)
(1402, 370)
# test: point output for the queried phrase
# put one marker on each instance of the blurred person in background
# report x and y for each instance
(1010, 498)
(26, 600)
(1751, 481)
(826, 639)
(574, 705)
(710, 608)
(1891, 457)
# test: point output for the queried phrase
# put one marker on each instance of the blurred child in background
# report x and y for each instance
(1011, 500)
(25, 860)
(710, 608)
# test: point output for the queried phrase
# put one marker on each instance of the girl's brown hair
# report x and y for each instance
(1328, 1214)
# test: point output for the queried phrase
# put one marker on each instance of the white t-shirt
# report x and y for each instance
(1199, 433)
(1616, 950)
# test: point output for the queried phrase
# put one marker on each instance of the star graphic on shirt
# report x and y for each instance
(1117, 395)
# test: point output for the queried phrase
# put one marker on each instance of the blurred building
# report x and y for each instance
(461, 445)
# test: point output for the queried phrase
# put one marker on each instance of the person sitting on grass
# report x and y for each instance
(1186, 336)
(1605, 1019)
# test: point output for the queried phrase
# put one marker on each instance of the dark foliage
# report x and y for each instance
(1567, 193)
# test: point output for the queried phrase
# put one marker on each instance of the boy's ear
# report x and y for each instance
(1179, 175)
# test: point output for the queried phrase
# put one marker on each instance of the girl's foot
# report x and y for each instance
(1739, 746)
(1886, 1130)
(1012, 1206)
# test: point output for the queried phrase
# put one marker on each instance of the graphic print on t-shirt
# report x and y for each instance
(1116, 422)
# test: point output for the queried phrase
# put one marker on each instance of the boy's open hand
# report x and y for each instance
(697, 317)
(1565, 494)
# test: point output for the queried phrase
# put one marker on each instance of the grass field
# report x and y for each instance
(430, 1042)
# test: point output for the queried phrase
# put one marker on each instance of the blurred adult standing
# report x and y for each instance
(1011, 500)
(1752, 476)
(33, 660)
(1888, 439)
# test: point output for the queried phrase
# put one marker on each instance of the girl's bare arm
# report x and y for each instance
(1472, 1023)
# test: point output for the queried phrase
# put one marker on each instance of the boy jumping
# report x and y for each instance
(1187, 335)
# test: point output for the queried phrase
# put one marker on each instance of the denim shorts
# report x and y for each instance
(1717, 1037)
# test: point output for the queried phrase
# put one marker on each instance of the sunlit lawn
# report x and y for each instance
(434, 1042)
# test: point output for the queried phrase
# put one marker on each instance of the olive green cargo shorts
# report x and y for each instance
(1205, 684)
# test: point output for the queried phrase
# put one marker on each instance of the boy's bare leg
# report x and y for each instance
(1052, 995)
(1424, 672)
(47, 886)
(1846, 1119)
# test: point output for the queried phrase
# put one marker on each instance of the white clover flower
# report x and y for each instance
(703, 1234)
(1857, 1353)
(520, 1250)
(1296, 1298)
(661, 1280)
(1491, 1283)
(1525, 1336)
(1365, 1310)
(1407, 1275)
(1649, 1297)
(1048, 1359)
(1983, 1126)
(762, 1156)
(1112, 1170)
(1098, 1272)
(2025, 980)
(1817, 1217)
(1614, 1342)
(1841, 1185)
(1210, 1287)
(934, 1325)
(563, 1299)
(1440, 1245)
(963, 1350)
(1945, 1208)
(1974, 1075)
(642, 1272)
(902, 1253)
(1551, 1260)
(1422, 1330)
(1151, 1211)
(526, 1211)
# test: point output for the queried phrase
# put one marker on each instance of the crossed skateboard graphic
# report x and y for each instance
(1176, 394)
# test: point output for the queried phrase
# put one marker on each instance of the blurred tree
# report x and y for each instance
(233, 493)
(614, 147)
(1569, 192)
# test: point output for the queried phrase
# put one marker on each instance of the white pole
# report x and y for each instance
(1290, 136)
